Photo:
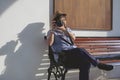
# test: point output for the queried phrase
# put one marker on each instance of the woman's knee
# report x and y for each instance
(85, 66)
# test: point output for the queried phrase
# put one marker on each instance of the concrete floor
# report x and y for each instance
(74, 75)
(95, 73)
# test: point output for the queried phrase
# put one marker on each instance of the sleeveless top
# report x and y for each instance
(59, 44)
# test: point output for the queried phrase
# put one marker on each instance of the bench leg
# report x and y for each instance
(49, 73)
(54, 73)
(63, 76)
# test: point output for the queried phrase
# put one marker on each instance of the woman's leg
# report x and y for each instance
(88, 56)
(84, 71)
(81, 54)
(73, 59)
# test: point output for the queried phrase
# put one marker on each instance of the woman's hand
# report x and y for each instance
(66, 32)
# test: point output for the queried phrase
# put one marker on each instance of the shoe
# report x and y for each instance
(105, 66)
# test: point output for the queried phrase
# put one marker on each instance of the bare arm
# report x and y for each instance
(51, 39)
(71, 35)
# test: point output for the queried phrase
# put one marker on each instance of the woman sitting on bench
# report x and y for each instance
(61, 38)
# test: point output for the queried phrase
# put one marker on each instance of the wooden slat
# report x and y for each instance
(98, 38)
(98, 41)
(109, 61)
(100, 46)
(103, 50)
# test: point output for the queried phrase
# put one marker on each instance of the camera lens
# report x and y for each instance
(59, 23)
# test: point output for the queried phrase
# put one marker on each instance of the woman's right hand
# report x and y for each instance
(53, 24)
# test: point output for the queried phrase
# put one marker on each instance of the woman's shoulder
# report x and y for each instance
(51, 31)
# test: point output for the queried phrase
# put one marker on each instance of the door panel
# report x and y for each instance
(86, 14)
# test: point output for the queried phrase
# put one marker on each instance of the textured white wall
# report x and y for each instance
(22, 46)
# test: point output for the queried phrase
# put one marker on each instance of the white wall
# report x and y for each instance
(22, 44)
(23, 24)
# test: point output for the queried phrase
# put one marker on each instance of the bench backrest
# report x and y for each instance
(99, 45)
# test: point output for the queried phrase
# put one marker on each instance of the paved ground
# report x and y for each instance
(95, 73)
(74, 74)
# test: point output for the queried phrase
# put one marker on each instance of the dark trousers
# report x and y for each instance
(79, 58)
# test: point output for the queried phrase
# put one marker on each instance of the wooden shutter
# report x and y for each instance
(86, 14)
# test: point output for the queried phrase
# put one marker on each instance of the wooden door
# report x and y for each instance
(86, 14)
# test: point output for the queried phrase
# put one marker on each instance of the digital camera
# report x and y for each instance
(59, 23)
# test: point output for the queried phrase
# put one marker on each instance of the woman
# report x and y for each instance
(61, 39)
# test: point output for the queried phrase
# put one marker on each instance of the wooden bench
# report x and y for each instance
(107, 49)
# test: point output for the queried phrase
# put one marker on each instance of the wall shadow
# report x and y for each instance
(5, 4)
(24, 56)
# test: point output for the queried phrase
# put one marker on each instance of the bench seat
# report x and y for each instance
(106, 49)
